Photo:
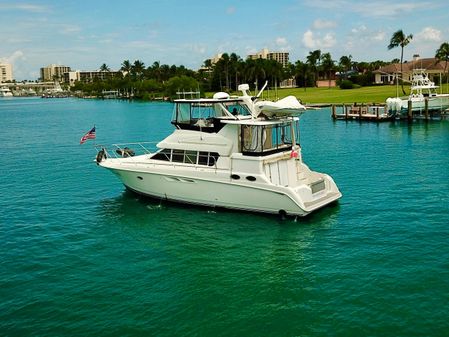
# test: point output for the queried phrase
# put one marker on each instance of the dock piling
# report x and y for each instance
(426, 108)
(409, 111)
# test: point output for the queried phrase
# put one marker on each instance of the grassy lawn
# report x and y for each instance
(375, 94)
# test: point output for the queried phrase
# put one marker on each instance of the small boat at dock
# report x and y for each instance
(5, 92)
(423, 96)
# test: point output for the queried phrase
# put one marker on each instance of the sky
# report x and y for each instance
(84, 34)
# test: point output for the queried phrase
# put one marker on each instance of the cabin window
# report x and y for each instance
(190, 157)
(207, 158)
(213, 157)
(178, 156)
(164, 154)
(183, 113)
(268, 139)
(187, 157)
(202, 111)
(238, 109)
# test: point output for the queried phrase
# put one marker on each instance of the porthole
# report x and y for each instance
(139, 177)
(235, 176)
(251, 178)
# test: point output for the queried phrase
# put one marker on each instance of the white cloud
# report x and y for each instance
(363, 34)
(326, 4)
(317, 41)
(70, 29)
(198, 48)
(429, 34)
(389, 9)
(359, 29)
(281, 41)
(324, 24)
(380, 8)
(24, 7)
(378, 36)
(18, 55)
(230, 10)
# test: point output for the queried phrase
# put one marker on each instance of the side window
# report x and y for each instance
(178, 156)
(190, 157)
(183, 114)
(213, 157)
(187, 157)
(164, 154)
(202, 158)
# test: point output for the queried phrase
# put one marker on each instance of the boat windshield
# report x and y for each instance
(205, 114)
(260, 140)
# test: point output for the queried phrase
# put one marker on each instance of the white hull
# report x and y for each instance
(440, 103)
(215, 188)
(6, 94)
(422, 90)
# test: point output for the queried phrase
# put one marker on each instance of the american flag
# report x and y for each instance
(88, 135)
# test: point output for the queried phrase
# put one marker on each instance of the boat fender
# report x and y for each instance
(101, 155)
(125, 152)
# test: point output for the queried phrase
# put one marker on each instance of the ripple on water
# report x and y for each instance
(81, 256)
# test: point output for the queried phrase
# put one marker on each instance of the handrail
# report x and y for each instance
(120, 150)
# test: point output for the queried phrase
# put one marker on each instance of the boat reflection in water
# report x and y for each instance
(235, 152)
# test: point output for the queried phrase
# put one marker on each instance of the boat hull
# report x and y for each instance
(400, 106)
(216, 189)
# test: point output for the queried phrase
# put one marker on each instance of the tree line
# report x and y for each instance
(137, 80)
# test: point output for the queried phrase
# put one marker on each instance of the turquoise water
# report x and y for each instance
(80, 256)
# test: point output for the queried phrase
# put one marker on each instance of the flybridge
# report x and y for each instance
(209, 114)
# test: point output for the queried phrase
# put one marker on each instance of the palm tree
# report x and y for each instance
(156, 70)
(313, 59)
(225, 60)
(104, 67)
(275, 71)
(137, 69)
(442, 54)
(235, 65)
(399, 39)
(302, 70)
(328, 65)
(346, 64)
(255, 70)
(126, 67)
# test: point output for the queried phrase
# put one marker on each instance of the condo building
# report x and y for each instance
(281, 57)
(53, 72)
(5, 72)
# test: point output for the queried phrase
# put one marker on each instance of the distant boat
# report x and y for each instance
(5, 92)
(422, 88)
(56, 92)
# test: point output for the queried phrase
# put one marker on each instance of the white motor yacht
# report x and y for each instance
(422, 89)
(225, 152)
(5, 92)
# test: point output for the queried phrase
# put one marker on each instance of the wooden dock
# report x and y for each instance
(362, 112)
(378, 113)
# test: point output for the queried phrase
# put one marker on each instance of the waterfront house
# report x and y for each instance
(388, 73)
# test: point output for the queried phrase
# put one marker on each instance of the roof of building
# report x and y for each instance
(419, 63)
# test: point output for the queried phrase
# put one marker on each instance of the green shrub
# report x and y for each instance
(346, 84)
